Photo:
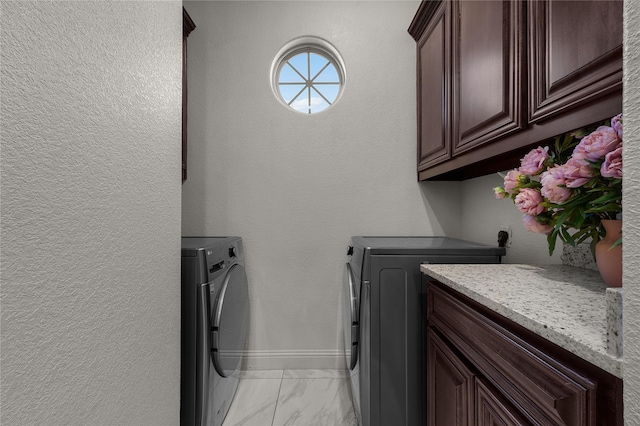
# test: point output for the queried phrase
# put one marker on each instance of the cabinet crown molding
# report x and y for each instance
(424, 14)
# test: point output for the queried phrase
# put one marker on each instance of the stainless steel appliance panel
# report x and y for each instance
(388, 382)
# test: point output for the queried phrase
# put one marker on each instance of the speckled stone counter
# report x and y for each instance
(563, 304)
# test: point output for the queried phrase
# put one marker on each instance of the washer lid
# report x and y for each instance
(229, 322)
(425, 246)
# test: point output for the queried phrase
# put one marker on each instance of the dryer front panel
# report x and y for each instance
(350, 318)
(230, 321)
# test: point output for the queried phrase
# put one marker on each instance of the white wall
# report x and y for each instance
(483, 215)
(90, 183)
(91, 98)
(631, 211)
(296, 187)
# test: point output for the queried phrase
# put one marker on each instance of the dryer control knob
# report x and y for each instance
(232, 252)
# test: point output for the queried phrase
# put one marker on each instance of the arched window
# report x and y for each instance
(308, 75)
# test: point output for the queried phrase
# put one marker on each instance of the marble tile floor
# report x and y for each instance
(292, 398)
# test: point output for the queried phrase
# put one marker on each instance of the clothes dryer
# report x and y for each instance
(384, 321)
(215, 318)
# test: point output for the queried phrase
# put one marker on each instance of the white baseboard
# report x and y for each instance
(293, 359)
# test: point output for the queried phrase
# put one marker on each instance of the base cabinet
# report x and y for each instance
(483, 369)
(491, 409)
(461, 397)
(451, 385)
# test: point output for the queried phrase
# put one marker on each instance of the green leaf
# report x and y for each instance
(531, 184)
(617, 243)
(562, 218)
(582, 239)
(579, 218)
(557, 144)
(584, 232)
(567, 140)
(566, 237)
(609, 196)
(612, 207)
(576, 201)
(551, 240)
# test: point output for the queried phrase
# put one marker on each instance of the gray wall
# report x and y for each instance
(90, 188)
(296, 187)
(631, 212)
(91, 128)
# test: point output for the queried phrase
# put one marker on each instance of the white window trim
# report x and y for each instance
(303, 45)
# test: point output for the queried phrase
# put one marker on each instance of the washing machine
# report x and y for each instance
(384, 306)
(215, 318)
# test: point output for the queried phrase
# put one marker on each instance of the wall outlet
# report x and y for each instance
(508, 230)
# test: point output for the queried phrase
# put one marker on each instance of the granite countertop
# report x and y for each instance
(568, 306)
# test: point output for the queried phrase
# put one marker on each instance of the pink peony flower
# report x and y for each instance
(533, 162)
(528, 201)
(555, 190)
(533, 225)
(511, 181)
(551, 181)
(616, 124)
(576, 173)
(596, 145)
(612, 166)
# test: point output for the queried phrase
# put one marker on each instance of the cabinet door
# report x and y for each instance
(492, 409)
(450, 386)
(434, 90)
(575, 53)
(488, 65)
(550, 391)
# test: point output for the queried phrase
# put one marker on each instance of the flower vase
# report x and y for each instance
(609, 259)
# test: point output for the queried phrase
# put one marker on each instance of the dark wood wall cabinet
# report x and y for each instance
(497, 78)
(187, 27)
(483, 369)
